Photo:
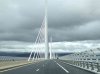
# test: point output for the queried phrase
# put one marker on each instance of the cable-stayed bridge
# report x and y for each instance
(87, 62)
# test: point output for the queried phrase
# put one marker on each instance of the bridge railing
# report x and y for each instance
(88, 65)
(89, 60)
(8, 60)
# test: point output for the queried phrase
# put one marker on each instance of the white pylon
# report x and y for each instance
(46, 33)
(45, 23)
(51, 48)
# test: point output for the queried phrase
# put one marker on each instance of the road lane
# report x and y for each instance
(30, 69)
(50, 67)
(47, 67)
(44, 67)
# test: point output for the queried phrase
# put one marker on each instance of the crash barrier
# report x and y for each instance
(93, 66)
(89, 59)
(8, 60)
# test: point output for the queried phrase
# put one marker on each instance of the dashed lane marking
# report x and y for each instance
(37, 69)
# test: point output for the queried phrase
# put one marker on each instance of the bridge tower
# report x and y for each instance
(46, 33)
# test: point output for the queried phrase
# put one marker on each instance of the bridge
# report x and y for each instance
(76, 63)
(86, 62)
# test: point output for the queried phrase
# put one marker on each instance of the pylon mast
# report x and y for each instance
(46, 33)
(50, 48)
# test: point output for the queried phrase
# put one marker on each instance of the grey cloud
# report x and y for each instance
(71, 20)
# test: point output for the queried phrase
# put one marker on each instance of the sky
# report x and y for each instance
(69, 21)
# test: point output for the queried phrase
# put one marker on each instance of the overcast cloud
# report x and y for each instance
(73, 19)
(68, 20)
(77, 46)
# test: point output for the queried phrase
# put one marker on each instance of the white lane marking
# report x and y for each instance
(62, 67)
(37, 69)
(18, 67)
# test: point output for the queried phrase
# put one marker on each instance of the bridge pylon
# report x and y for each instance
(46, 33)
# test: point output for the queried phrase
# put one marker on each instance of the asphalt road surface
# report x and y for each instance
(46, 67)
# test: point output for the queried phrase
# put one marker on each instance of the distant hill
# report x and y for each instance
(25, 54)
(17, 54)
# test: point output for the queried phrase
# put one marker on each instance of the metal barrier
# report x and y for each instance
(88, 59)
(92, 66)
(88, 65)
(8, 60)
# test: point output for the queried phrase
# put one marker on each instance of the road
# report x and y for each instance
(46, 67)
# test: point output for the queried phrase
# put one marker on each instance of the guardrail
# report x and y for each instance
(8, 60)
(88, 65)
(89, 60)
(92, 66)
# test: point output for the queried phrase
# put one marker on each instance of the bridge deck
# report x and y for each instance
(46, 67)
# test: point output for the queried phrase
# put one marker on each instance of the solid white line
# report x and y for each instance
(62, 67)
(15, 68)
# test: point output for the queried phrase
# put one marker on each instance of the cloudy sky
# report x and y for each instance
(69, 21)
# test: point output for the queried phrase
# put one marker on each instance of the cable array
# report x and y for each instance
(38, 45)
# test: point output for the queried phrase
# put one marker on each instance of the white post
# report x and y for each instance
(51, 48)
(46, 33)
